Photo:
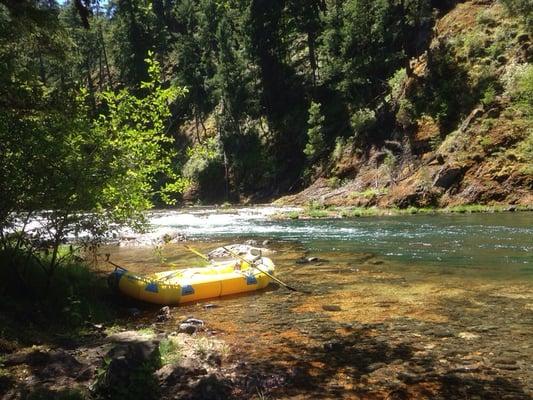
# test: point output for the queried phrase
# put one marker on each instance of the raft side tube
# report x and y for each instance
(192, 284)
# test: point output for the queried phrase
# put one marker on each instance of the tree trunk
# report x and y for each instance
(311, 45)
(90, 83)
(100, 72)
(196, 125)
(42, 71)
(106, 62)
(203, 126)
(226, 175)
(52, 266)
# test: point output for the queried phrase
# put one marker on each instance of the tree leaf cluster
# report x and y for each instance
(75, 161)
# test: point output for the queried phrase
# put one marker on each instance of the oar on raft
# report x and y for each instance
(252, 263)
(164, 278)
(197, 253)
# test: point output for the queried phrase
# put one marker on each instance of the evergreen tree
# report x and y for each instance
(306, 17)
(282, 91)
(315, 146)
(331, 42)
(231, 79)
(88, 51)
(134, 35)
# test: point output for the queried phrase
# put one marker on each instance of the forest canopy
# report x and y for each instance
(244, 99)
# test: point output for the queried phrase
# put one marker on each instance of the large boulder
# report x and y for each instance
(172, 236)
(416, 196)
(449, 175)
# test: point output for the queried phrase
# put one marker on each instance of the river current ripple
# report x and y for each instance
(493, 241)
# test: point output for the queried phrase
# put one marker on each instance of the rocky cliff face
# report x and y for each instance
(464, 123)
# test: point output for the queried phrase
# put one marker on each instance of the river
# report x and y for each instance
(432, 306)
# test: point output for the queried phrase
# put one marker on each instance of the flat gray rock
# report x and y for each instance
(130, 337)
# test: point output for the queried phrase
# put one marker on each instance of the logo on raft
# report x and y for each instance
(251, 279)
(186, 290)
(152, 287)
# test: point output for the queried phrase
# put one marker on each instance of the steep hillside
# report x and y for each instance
(463, 130)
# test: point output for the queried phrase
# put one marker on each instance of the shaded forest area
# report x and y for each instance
(270, 91)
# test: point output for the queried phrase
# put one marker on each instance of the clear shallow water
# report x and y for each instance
(415, 297)
(502, 241)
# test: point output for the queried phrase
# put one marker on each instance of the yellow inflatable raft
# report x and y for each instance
(192, 284)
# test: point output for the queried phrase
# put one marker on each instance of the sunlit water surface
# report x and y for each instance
(399, 280)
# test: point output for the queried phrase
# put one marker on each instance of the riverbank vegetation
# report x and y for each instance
(73, 301)
(316, 210)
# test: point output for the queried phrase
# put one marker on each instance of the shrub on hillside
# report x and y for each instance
(518, 81)
(522, 9)
(396, 82)
(405, 115)
(362, 120)
(200, 156)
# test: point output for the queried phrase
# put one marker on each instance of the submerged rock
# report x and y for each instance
(331, 307)
(333, 346)
(375, 366)
(172, 236)
(307, 260)
(439, 332)
(468, 335)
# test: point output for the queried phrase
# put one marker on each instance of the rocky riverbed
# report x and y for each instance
(363, 327)
(400, 358)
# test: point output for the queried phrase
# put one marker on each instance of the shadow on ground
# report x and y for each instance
(361, 365)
